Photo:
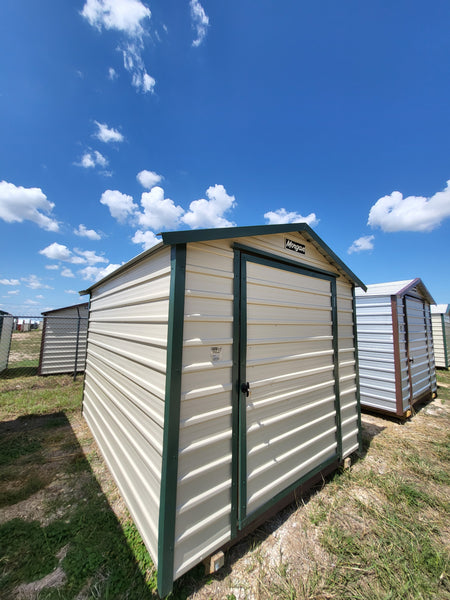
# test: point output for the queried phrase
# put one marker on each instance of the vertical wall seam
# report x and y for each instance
(169, 469)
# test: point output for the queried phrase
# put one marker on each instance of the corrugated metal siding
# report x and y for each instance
(420, 350)
(125, 383)
(291, 416)
(441, 349)
(6, 326)
(205, 454)
(63, 345)
(376, 352)
(204, 464)
(347, 368)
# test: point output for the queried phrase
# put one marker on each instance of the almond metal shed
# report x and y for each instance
(221, 375)
(440, 320)
(63, 343)
(6, 328)
(395, 346)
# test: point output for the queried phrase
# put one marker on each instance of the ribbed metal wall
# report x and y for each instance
(291, 414)
(63, 346)
(125, 383)
(421, 357)
(204, 464)
(205, 448)
(6, 327)
(441, 339)
(376, 352)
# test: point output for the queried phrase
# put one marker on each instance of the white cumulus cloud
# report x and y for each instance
(413, 213)
(112, 74)
(121, 206)
(33, 282)
(83, 231)
(126, 16)
(200, 21)
(159, 212)
(90, 257)
(281, 216)
(18, 204)
(361, 244)
(92, 273)
(92, 159)
(57, 251)
(146, 238)
(148, 179)
(66, 272)
(210, 213)
(9, 281)
(107, 134)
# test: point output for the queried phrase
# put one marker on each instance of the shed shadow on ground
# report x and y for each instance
(55, 519)
(13, 372)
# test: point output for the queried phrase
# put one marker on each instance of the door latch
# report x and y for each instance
(245, 388)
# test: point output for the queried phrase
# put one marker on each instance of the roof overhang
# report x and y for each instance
(172, 238)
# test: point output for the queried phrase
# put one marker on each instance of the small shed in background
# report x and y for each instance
(221, 376)
(63, 344)
(6, 328)
(395, 346)
(440, 319)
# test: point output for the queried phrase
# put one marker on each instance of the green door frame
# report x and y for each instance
(242, 255)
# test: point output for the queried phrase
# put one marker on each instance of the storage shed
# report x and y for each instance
(63, 343)
(440, 320)
(395, 346)
(6, 328)
(221, 375)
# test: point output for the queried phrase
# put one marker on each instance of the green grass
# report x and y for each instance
(379, 531)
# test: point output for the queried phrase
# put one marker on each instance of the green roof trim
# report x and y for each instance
(204, 235)
(172, 238)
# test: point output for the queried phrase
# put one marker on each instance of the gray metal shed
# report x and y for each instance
(395, 346)
(221, 376)
(63, 343)
(6, 328)
(440, 320)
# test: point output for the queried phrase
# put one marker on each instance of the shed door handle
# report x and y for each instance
(245, 388)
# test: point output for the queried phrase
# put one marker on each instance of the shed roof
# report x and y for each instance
(49, 312)
(442, 309)
(397, 288)
(172, 238)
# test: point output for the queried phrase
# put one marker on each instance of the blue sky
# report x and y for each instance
(123, 118)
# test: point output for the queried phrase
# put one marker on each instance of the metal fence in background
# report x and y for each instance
(42, 345)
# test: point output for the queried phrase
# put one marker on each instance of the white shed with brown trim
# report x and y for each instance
(395, 346)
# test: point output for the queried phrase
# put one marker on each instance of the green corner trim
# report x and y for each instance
(242, 255)
(169, 471)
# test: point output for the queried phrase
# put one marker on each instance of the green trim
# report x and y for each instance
(444, 335)
(235, 394)
(295, 266)
(358, 392)
(169, 469)
(242, 396)
(243, 255)
(268, 505)
(203, 235)
(337, 393)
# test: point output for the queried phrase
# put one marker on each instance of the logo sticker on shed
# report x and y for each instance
(294, 246)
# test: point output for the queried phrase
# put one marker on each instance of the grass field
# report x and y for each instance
(379, 530)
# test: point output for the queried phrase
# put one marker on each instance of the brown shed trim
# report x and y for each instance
(397, 360)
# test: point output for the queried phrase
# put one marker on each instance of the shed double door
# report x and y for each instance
(288, 417)
(420, 347)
